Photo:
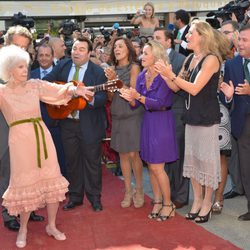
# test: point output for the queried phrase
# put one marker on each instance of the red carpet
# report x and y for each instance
(116, 229)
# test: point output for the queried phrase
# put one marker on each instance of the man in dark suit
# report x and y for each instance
(179, 184)
(237, 92)
(21, 37)
(181, 23)
(82, 132)
(45, 61)
(230, 29)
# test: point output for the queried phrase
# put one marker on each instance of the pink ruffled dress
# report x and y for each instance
(32, 187)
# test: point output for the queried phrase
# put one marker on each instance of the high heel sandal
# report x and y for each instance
(57, 235)
(154, 215)
(128, 197)
(217, 207)
(171, 214)
(205, 218)
(191, 216)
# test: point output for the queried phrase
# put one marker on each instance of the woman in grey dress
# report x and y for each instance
(126, 123)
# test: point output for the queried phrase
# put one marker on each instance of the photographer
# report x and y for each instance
(69, 32)
(146, 20)
(234, 10)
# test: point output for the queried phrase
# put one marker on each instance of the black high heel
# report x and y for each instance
(171, 214)
(191, 216)
(205, 218)
(154, 215)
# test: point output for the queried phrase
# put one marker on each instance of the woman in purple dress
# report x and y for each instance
(158, 139)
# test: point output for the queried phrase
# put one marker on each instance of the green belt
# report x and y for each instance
(36, 123)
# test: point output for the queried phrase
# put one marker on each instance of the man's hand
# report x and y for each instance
(243, 88)
(177, 41)
(227, 89)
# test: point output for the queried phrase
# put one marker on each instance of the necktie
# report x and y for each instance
(75, 78)
(246, 70)
(44, 72)
(76, 74)
(178, 35)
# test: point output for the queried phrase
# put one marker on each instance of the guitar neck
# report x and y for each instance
(100, 87)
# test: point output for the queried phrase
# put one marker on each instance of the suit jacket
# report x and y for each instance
(92, 118)
(183, 51)
(46, 118)
(176, 59)
(241, 103)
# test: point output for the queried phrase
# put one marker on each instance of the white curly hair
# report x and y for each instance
(10, 56)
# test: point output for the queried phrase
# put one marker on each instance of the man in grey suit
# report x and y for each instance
(179, 184)
(21, 37)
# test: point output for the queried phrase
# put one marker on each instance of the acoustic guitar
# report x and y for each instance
(79, 103)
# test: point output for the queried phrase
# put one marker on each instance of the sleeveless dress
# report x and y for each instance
(202, 118)
(31, 186)
(126, 123)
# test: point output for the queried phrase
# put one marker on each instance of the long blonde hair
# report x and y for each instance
(209, 44)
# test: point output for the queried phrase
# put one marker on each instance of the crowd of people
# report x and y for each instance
(183, 110)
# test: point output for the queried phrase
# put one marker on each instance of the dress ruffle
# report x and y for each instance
(30, 198)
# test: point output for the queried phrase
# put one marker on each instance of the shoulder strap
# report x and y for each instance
(188, 61)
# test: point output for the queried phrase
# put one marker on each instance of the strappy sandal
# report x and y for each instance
(191, 216)
(217, 207)
(171, 214)
(205, 218)
(154, 215)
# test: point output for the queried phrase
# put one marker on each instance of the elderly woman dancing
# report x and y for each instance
(35, 179)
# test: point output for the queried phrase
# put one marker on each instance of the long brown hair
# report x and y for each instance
(131, 51)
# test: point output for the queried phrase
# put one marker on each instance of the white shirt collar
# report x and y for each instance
(168, 50)
(181, 30)
(48, 69)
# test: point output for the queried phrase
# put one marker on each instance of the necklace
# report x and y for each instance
(198, 57)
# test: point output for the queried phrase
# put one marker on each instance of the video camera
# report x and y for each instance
(21, 19)
(105, 33)
(237, 7)
(67, 27)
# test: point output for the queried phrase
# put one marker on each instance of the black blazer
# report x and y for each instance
(92, 118)
(183, 51)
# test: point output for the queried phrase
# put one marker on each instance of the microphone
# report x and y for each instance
(170, 26)
(116, 26)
